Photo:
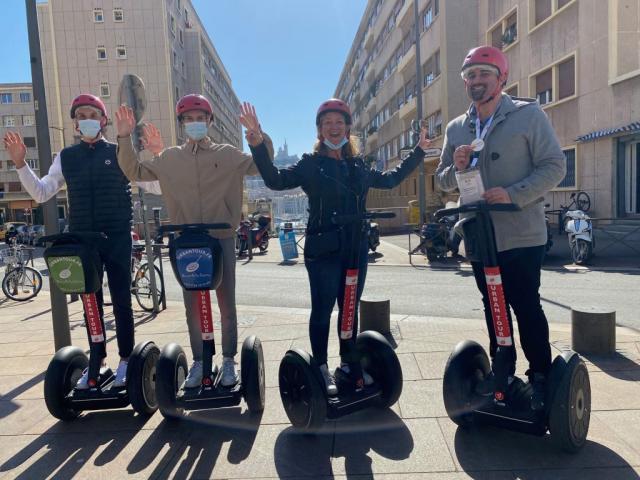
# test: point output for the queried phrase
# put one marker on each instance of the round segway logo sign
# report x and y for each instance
(192, 267)
(195, 267)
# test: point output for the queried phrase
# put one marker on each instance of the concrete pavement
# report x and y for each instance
(414, 439)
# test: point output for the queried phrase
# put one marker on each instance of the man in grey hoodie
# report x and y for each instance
(511, 142)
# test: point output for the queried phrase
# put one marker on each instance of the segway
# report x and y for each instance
(75, 267)
(568, 396)
(302, 387)
(196, 259)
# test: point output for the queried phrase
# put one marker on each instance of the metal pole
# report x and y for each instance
(59, 311)
(147, 242)
(421, 174)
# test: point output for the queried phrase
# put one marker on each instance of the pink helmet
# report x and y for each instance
(193, 101)
(487, 56)
(87, 100)
(334, 105)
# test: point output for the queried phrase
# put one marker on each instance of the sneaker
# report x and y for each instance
(229, 375)
(121, 374)
(194, 377)
(539, 383)
(329, 381)
(368, 379)
(486, 387)
(83, 382)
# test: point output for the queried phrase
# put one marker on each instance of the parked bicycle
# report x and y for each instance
(20, 282)
(141, 277)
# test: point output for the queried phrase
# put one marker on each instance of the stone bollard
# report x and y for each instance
(375, 314)
(593, 330)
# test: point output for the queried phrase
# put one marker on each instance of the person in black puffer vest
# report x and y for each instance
(99, 201)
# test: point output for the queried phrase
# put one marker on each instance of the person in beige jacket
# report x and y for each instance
(201, 182)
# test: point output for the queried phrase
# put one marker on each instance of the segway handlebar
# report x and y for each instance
(194, 227)
(477, 207)
(78, 236)
(356, 217)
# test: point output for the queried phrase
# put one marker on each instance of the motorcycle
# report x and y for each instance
(549, 243)
(438, 238)
(579, 229)
(374, 236)
(253, 233)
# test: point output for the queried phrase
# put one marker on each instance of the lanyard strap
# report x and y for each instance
(480, 134)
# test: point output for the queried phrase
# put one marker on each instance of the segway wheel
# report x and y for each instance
(467, 365)
(302, 391)
(380, 360)
(63, 372)
(171, 371)
(141, 378)
(252, 374)
(571, 405)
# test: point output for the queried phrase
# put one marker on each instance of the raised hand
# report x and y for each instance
(125, 121)
(249, 121)
(16, 148)
(151, 139)
(424, 141)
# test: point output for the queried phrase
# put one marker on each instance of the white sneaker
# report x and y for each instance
(368, 379)
(229, 375)
(194, 377)
(329, 381)
(121, 374)
(83, 382)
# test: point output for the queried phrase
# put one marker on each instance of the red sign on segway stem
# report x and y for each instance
(206, 318)
(498, 306)
(93, 317)
(349, 305)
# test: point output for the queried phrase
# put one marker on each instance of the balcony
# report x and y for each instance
(405, 18)
(372, 139)
(408, 109)
(407, 63)
(368, 40)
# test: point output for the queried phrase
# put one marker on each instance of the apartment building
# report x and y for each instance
(580, 59)
(380, 82)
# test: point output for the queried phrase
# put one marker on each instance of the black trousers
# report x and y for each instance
(115, 253)
(520, 271)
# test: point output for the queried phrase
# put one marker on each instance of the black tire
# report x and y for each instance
(252, 374)
(141, 378)
(264, 243)
(583, 202)
(380, 360)
(63, 372)
(142, 287)
(467, 364)
(171, 371)
(432, 256)
(17, 280)
(302, 391)
(242, 248)
(581, 251)
(570, 411)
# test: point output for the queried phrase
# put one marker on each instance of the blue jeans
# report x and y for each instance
(326, 281)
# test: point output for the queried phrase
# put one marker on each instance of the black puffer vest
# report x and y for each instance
(99, 193)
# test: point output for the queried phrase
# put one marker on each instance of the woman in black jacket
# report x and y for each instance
(336, 180)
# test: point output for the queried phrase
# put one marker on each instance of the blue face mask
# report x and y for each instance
(336, 146)
(196, 130)
(89, 128)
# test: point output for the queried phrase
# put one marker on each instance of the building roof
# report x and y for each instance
(607, 132)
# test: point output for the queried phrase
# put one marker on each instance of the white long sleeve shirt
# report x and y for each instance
(42, 189)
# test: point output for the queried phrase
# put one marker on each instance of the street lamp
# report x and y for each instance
(421, 173)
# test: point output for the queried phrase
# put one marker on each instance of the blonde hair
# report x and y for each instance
(350, 149)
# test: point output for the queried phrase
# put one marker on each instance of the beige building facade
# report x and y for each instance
(380, 82)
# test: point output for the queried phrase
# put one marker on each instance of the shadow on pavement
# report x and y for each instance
(195, 442)
(616, 365)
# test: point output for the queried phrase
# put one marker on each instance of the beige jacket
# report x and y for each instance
(201, 183)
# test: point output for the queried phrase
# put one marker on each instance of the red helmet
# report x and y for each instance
(487, 56)
(193, 101)
(334, 105)
(87, 100)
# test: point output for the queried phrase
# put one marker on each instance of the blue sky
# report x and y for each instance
(285, 56)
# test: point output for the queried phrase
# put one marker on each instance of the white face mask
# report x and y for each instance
(336, 146)
(89, 128)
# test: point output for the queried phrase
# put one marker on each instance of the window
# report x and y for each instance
(175, 60)
(121, 52)
(429, 14)
(118, 15)
(567, 78)
(181, 37)
(9, 121)
(15, 187)
(431, 69)
(556, 83)
(569, 181)
(28, 120)
(105, 91)
(183, 70)
(541, 10)
(33, 163)
(434, 123)
(25, 97)
(172, 24)
(98, 15)
(505, 31)
(30, 142)
(544, 88)
(5, 98)
(102, 53)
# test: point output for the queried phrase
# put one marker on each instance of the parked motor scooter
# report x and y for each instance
(579, 229)
(374, 235)
(253, 233)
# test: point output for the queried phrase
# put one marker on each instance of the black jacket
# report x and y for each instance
(99, 193)
(332, 187)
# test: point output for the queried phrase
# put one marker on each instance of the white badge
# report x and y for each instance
(470, 186)
(477, 144)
